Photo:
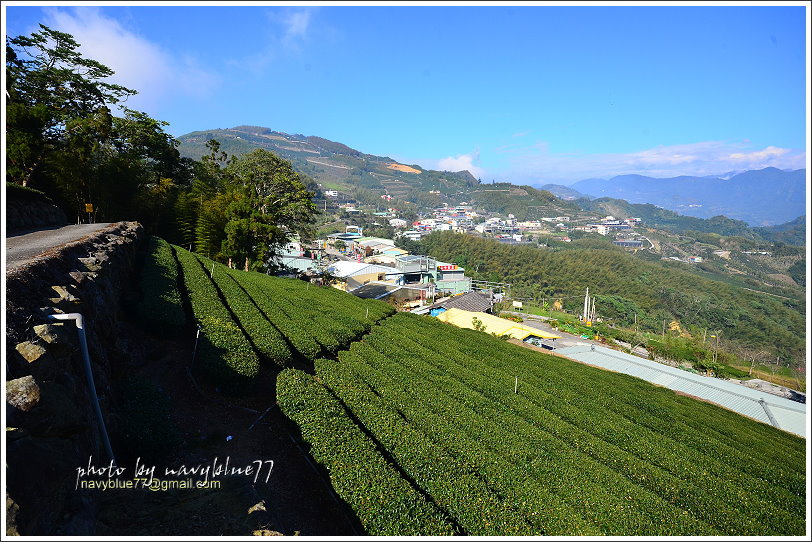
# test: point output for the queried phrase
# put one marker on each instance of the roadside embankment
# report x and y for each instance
(51, 427)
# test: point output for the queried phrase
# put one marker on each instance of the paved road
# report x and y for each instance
(567, 339)
(24, 246)
(336, 254)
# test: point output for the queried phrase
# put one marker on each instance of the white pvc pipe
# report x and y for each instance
(80, 327)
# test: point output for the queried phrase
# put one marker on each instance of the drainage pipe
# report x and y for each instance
(80, 327)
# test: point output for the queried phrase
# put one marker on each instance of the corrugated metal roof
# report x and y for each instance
(343, 269)
(789, 415)
(395, 251)
(471, 301)
(493, 324)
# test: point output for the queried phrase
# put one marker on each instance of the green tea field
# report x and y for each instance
(427, 429)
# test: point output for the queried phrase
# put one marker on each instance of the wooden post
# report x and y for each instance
(194, 350)
(716, 351)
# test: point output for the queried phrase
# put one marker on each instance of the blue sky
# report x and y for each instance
(526, 94)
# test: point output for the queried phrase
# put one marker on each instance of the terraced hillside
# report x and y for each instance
(428, 429)
(332, 164)
(576, 451)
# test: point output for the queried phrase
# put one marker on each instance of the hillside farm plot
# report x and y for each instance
(160, 307)
(405, 169)
(279, 319)
(224, 351)
(566, 449)
(313, 319)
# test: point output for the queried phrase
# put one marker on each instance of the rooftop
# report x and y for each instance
(343, 269)
(493, 324)
(787, 415)
(471, 301)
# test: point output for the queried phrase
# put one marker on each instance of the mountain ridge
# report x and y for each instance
(331, 163)
(740, 196)
(765, 197)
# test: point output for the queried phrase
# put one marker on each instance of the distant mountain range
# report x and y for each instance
(563, 192)
(763, 197)
(791, 233)
(766, 197)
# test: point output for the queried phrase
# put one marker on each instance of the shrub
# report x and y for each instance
(160, 308)
(385, 503)
(224, 352)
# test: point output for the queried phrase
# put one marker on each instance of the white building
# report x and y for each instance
(529, 225)
(412, 235)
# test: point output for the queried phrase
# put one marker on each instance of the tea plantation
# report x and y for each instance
(423, 431)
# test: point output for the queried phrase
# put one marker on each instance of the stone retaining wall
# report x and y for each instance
(51, 429)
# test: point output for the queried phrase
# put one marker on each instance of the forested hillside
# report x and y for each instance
(791, 233)
(523, 202)
(659, 218)
(650, 290)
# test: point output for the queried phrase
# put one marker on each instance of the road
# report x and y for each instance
(767, 293)
(538, 322)
(338, 255)
(567, 339)
(650, 242)
(24, 246)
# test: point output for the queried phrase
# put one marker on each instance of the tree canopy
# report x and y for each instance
(69, 135)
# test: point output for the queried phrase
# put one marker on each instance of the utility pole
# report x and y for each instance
(716, 350)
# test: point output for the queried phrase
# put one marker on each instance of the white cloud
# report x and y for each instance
(460, 163)
(536, 164)
(296, 25)
(759, 156)
(139, 64)
(289, 30)
(291, 27)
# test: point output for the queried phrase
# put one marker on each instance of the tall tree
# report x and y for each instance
(270, 205)
(49, 84)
